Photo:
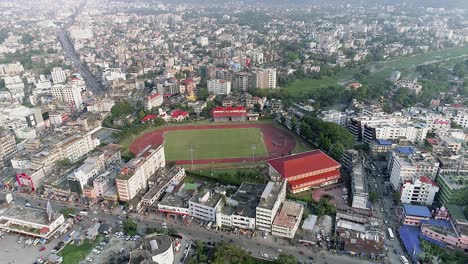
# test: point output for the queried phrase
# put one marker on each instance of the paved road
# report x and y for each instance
(256, 245)
(92, 84)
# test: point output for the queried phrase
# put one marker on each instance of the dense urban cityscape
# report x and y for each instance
(255, 131)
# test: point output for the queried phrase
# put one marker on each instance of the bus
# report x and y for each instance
(83, 213)
(404, 260)
(390, 234)
(208, 226)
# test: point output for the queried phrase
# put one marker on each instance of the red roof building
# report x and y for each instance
(224, 114)
(179, 115)
(149, 117)
(305, 170)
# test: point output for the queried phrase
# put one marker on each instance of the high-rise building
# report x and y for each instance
(68, 93)
(58, 75)
(270, 201)
(264, 79)
(7, 145)
(217, 86)
(420, 190)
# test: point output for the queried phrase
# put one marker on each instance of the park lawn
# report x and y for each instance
(77, 253)
(213, 143)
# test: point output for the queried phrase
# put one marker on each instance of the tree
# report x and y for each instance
(373, 197)
(203, 94)
(122, 108)
(397, 197)
(64, 162)
(324, 207)
(130, 227)
(285, 259)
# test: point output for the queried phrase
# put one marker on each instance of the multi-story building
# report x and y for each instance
(58, 75)
(305, 170)
(372, 118)
(453, 188)
(226, 114)
(415, 214)
(239, 209)
(100, 105)
(240, 81)
(405, 163)
(358, 187)
(270, 201)
(218, 86)
(419, 190)
(461, 118)
(160, 181)
(153, 100)
(334, 116)
(415, 133)
(155, 248)
(264, 79)
(134, 176)
(15, 86)
(68, 93)
(7, 145)
(349, 157)
(205, 205)
(287, 220)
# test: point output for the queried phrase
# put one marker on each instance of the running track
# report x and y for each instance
(279, 142)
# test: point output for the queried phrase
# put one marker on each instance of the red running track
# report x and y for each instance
(279, 142)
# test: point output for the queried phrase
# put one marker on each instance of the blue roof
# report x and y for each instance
(438, 243)
(439, 223)
(405, 150)
(416, 210)
(410, 237)
(384, 142)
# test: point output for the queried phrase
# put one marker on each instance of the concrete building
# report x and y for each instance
(372, 118)
(415, 214)
(359, 187)
(287, 220)
(29, 221)
(406, 163)
(239, 209)
(153, 100)
(226, 114)
(68, 93)
(15, 86)
(334, 116)
(155, 248)
(264, 79)
(305, 170)
(270, 201)
(58, 75)
(100, 105)
(415, 133)
(7, 145)
(160, 181)
(134, 176)
(204, 206)
(349, 157)
(217, 86)
(453, 188)
(419, 190)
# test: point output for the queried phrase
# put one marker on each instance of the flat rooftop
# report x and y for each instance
(209, 198)
(31, 214)
(247, 198)
(416, 210)
(270, 194)
(289, 214)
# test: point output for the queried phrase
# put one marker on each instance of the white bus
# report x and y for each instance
(84, 213)
(390, 234)
(404, 260)
(208, 226)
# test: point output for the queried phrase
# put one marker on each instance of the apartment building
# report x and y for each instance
(359, 187)
(153, 100)
(287, 220)
(205, 205)
(405, 163)
(68, 93)
(334, 116)
(7, 145)
(419, 190)
(270, 201)
(453, 188)
(356, 125)
(415, 133)
(264, 79)
(219, 87)
(58, 75)
(134, 176)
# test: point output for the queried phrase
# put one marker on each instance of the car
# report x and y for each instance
(265, 255)
(279, 250)
(89, 259)
(310, 257)
(27, 205)
(42, 249)
(381, 209)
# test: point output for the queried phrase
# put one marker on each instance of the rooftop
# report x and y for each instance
(416, 210)
(297, 164)
(31, 214)
(209, 198)
(245, 200)
(270, 194)
(289, 214)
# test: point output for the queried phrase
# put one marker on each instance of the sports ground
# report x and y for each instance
(225, 143)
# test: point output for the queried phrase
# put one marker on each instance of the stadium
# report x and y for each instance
(222, 143)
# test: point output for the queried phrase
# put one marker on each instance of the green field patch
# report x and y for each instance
(77, 253)
(214, 143)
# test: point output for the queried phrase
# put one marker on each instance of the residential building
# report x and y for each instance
(205, 205)
(415, 133)
(58, 75)
(453, 188)
(160, 181)
(334, 116)
(15, 86)
(419, 190)
(415, 214)
(287, 220)
(270, 201)
(349, 157)
(239, 209)
(7, 145)
(198, 106)
(134, 176)
(264, 79)
(153, 100)
(305, 170)
(372, 118)
(407, 162)
(217, 86)
(359, 187)
(68, 93)
(100, 105)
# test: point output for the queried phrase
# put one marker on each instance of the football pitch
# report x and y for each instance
(213, 143)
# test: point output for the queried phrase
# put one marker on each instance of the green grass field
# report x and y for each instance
(77, 253)
(213, 143)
